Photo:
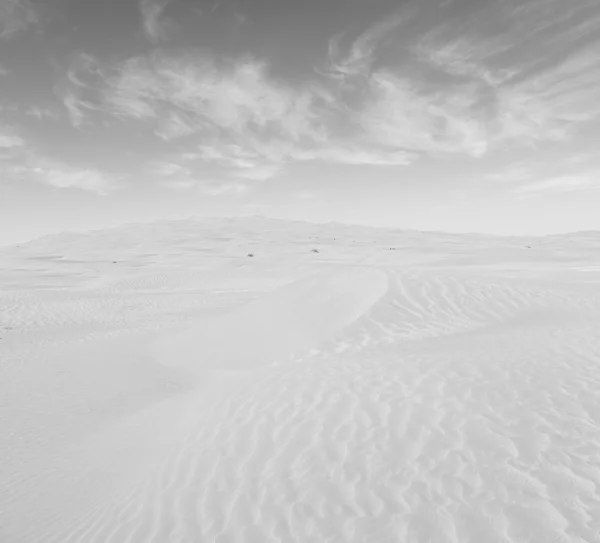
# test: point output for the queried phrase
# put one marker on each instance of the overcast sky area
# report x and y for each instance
(464, 115)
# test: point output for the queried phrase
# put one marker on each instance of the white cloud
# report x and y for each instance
(515, 172)
(364, 156)
(225, 189)
(79, 90)
(62, 176)
(448, 89)
(359, 58)
(41, 113)
(249, 121)
(462, 57)
(171, 175)
(175, 126)
(8, 140)
(178, 184)
(155, 25)
(16, 16)
(168, 169)
(304, 196)
(526, 59)
(75, 108)
(174, 176)
(247, 161)
(30, 167)
(238, 97)
(566, 183)
(402, 116)
(258, 173)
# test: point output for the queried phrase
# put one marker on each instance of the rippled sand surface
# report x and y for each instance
(343, 384)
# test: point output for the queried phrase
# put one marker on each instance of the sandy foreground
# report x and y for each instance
(158, 385)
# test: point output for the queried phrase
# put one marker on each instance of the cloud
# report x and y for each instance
(356, 155)
(238, 96)
(249, 121)
(493, 92)
(178, 184)
(225, 188)
(63, 176)
(251, 124)
(75, 108)
(175, 126)
(515, 74)
(175, 176)
(16, 16)
(304, 196)
(258, 173)
(168, 169)
(359, 57)
(171, 175)
(248, 161)
(155, 25)
(41, 113)
(548, 173)
(9, 140)
(533, 64)
(27, 166)
(516, 172)
(551, 104)
(403, 115)
(79, 90)
(462, 57)
(567, 183)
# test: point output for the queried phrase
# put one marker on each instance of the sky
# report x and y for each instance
(452, 115)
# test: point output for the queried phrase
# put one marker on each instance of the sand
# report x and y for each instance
(158, 385)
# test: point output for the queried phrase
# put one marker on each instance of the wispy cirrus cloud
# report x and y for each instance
(175, 125)
(237, 96)
(176, 176)
(549, 175)
(403, 89)
(558, 98)
(168, 169)
(515, 172)
(63, 176)
(533, 66)
(171, 175)
(79, 90)
(9, 138)
(220, 188)
(401, 114)
(250, 122)
(359, 57)
(31, 167)
(41, 113)
(19, 161)
(16, 16)
(245, 161)
(156, 26)
(567, 183)
(232, 107)
(178, 184)
(9, 135)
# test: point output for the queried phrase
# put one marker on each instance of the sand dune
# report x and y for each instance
(444, 391)
(291, 319)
